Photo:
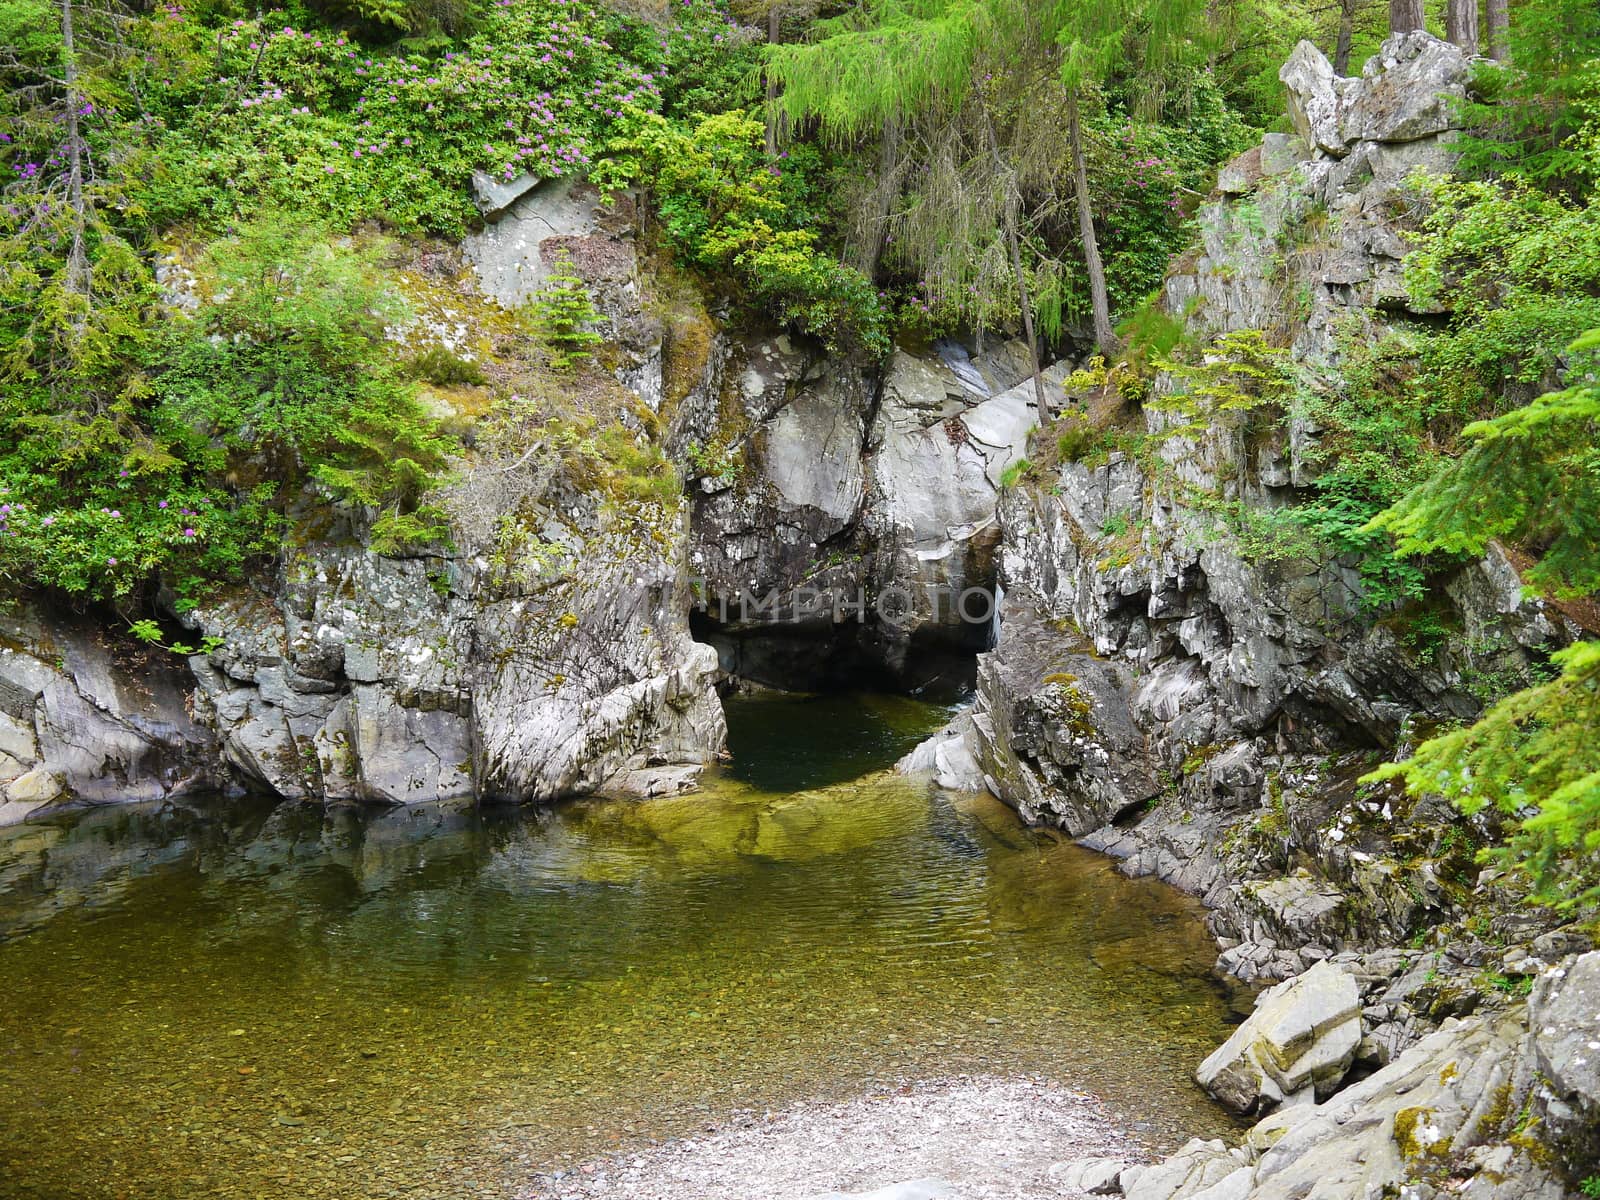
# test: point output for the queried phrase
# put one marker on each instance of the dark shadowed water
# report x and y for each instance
(242, 1000)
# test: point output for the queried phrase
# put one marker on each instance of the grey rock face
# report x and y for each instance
(1301, 1038)
(1408, 91)
(493, 196)
(508, 254)
(1054, 734)
(939, 458)
(1564, 1014)
(861, 513)
(83, 718)
(1233, 672)
(403, 680)
(1313, 98)
(345, 686)
(594, 681)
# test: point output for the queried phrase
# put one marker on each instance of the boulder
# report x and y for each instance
(1195, 1168)
(1055, 737)
(1091, 1176)
(493, 196)
(1564, 1013)
(950, 756)
(1301, 1039)
(1455, 1106)
(37, 787)
(1240, 176)
(1313, 98)
(1410, 90)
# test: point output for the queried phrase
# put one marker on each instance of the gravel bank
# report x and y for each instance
(984, 1136)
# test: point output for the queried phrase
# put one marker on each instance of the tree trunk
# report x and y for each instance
(774, 117)
(1461, 24)
(1499, 14)
(1405, 16)
(77, 270)
(1347, 29)
(1104, 339)
(1014, 245)
(884, 191)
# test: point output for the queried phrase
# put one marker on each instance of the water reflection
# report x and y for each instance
(196, 981)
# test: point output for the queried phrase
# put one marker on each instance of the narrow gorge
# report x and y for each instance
(784, 758)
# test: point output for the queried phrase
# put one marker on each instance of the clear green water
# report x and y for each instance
(254, 1001)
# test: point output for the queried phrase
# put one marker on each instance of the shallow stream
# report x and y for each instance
(252, 1000)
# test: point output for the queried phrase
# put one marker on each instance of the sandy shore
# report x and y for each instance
(982, 1137)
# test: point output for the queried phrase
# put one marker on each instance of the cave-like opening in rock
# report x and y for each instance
(934, 662)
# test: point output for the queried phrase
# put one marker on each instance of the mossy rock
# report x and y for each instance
(1412, 1134)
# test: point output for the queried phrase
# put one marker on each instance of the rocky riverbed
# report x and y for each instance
(975, 1138)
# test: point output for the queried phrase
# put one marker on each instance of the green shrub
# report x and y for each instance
(1015, 473)
(283, 380)
(263, 111)
(563, 314)
(723, 210)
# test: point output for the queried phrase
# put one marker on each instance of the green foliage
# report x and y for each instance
(1238, 374)
(1519, 271)
(1015, 473)
(952, 89)
(151, 634)
(439, 366)
(892, 60)
(1532, 476)
(1534, 758)
(286, 378)
(1590, 1186)
(1368, 455)
(722, 209)
(31, 30)
(263, 111)
(711, 60)
(1077, 438)
(717, 461)
(563, 315)
(1526, 114)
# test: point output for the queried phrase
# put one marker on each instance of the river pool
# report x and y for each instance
(245, 999)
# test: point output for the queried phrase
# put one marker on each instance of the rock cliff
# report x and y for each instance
(1190, 705)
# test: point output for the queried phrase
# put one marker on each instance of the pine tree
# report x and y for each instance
(1533, 757)
(1533, 476)
(1527, 110)
(563, 314)
(897, 60)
